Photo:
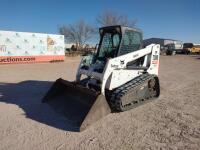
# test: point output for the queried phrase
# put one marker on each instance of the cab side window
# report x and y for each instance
(130, 42)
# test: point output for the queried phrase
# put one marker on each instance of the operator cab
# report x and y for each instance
(115, 41)
(118, 40)
(109, 42)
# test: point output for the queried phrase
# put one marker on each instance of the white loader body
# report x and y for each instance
(116, 72)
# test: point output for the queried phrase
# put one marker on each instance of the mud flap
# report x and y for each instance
(78, 104)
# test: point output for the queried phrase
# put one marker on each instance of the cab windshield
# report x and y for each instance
(109, 46)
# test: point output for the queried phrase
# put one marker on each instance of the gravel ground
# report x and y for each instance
(170, 122)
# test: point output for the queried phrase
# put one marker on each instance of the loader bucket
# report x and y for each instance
(78, 104)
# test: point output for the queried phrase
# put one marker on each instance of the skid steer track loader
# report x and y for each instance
(120, 76)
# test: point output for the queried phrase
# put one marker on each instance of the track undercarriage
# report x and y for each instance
(134, 93)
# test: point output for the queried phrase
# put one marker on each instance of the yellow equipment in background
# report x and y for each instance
(191, 48)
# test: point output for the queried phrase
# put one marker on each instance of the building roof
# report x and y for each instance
(161, 39)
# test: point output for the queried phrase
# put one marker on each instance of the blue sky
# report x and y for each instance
(176, 19)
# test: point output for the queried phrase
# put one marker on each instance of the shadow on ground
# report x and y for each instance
(28, 96)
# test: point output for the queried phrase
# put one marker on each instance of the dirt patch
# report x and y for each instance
(171, 122)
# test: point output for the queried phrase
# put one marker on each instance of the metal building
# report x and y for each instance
(162, 42)
(166, 45)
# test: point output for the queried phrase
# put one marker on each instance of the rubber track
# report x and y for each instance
(117, 94)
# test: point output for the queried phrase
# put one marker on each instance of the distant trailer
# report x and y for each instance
(26, 47)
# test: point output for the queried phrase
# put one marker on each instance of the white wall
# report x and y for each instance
(30, 44)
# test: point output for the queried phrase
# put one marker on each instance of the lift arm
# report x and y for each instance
(118, 65)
